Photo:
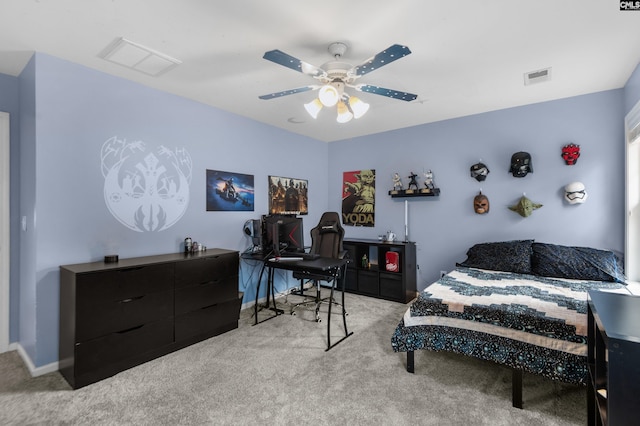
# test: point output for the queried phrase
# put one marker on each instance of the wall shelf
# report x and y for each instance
(407, 193)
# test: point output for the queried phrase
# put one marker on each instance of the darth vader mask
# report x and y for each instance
(575, 193)
(521, 164)
(479, 171)
(481, 204)
(571, 153)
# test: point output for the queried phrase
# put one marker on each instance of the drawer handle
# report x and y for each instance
(210, 282)
(135, 268)
(210, 306)
(130, 329)
(131, 299)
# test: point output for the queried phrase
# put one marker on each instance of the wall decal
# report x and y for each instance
(146, 189)
(358, 198)
(228, 191)
(288, 195)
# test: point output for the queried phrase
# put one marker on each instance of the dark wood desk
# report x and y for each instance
(332, 269)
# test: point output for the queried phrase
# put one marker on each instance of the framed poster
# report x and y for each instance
(288, 195)
(228, 191)
(359, 197)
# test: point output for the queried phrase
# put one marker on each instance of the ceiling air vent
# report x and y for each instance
(137, 57)
(537, 76)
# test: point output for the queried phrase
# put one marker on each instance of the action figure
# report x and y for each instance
(428, 180)
(397, 182)
(413, 181)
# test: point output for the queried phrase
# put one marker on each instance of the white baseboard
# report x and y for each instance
(33, 370)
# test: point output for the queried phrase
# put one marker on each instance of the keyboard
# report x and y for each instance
(304, 256)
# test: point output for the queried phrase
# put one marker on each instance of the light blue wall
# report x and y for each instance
(77, 110)
(445, 227)
(68, 111)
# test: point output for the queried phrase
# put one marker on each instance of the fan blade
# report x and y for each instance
(390, 54)
(390, 93)
(295, 64)
(288, 92)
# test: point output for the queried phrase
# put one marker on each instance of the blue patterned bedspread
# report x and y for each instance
(533, 323)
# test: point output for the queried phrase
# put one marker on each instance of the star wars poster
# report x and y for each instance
(288, 195)
(358, 198)
(228, 191)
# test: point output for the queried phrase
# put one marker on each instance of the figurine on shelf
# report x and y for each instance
(413, 182)
(397, 182)
(428, 180)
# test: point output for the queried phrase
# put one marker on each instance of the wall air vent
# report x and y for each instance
(137, 57)
(538, 76)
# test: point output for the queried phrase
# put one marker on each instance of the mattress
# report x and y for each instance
(533, 323)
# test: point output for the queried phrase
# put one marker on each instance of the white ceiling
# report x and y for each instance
(468, 57)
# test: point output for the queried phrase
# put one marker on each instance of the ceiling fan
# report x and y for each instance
(335, 76)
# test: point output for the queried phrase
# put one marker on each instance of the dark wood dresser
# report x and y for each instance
(613, 357)
(114, 316)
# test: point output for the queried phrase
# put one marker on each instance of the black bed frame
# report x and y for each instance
(516, 381)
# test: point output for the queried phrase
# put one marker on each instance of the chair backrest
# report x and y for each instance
(326, 238)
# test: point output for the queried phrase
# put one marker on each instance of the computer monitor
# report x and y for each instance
(282, 233)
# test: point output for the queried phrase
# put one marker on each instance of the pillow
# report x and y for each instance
(578, 263)
(507, 256)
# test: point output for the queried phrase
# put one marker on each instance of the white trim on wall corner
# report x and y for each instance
(4, 231)
(33, 370)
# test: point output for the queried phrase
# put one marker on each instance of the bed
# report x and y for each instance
(521, 304)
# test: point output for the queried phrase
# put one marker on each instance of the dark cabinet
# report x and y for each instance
(114, 316)
(613, 356)
(385, 270)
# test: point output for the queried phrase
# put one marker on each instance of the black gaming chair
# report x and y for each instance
(326, 241)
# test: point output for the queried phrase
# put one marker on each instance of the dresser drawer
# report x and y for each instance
(121, 284)
(100, 318)
(212, 320)
(223, 289)
(116, 347)
(205, 270)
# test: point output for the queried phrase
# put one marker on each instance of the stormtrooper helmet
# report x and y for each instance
(521, 164)
(479, 171)
(575, 193)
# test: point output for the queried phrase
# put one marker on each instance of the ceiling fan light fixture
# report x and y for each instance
(344, 115)
(328, 95)
(313, 107)
(358, 107)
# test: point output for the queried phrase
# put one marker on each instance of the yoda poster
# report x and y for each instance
(358, 198)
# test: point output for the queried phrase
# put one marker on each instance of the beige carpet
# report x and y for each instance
(278, 373)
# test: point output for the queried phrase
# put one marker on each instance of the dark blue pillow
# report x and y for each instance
(578, 263)
(507, 256)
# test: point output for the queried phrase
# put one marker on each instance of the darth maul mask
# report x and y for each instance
(571, 153)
